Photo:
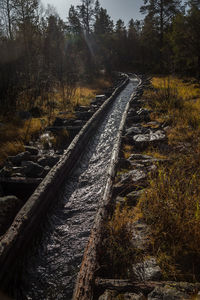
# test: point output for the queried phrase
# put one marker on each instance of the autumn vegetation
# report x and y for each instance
(48, 65)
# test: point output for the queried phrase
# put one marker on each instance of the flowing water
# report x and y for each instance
(50, 268)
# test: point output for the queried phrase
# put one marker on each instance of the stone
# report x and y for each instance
(81, 108)
(135, 130)
(5, 172)
(135, 179)
(133, 176)
(142, 141)
(132, 198)
(108, 295)
(17, 159)
(31, 169)
(133, 296)
(9, 207)
(36, 112)
(58, 122)
(124, 163)
(24, 115)
(83, 115)
(46, 171)
(1, 191)
(147, 270)
(48, 160)
(168, 293)
(32, 150)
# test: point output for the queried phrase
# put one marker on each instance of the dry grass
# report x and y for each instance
(116, 247)
(127, 151)
(171, 204)
(14, 134)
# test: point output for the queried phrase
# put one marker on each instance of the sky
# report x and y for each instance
(123, 9)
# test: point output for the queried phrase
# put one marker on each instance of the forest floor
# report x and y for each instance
(167, 210)
(17, 130)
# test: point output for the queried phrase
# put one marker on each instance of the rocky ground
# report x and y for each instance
(130, 183)
(21, 174)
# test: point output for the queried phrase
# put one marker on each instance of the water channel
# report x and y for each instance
(50, 269)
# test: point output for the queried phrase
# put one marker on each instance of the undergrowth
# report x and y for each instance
(117, 250)
(171, 204)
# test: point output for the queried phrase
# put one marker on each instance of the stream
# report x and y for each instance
(50, 267)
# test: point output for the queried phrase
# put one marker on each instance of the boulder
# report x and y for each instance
(49, 161)
(17, 159)
(147, 271)
(108, 295)
(124, 163)
(31, 169)
(83, 115)
(46, 171)
(134, 130)
(5, 172)
(81, 108)
(134, 176)
(1, 191)
(58, 122)
(132, 197)
(142, 141)
(31, 150)
(133, 296)
(9, 207)
(133, 180)
(168, 293)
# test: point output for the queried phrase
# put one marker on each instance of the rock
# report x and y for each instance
(24, 115)
(58, 122)
(135, 130)
(69, 122)
(20, 186)
(100, 97)
(135, 179)
(5, 172)
(124, 163)
(132, 198)
(31, 150)
(168, 293)
(32, 169)
(120, 200)
(147, 270)
(1, 191)
(46, 171)
(17, 172)
(133, 176)
(143, 112)
(9, 207)
(16, 160)
(83, 115)
(79, 123)
(133, 296)
(36, 112)
(108, 295)
(81, 108)
(141, 235)
(142, 141)
(48, 161)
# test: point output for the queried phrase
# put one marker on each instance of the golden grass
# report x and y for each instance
(186, 90)
(171, 203)
(117, 247)
(14, 134)
(127, 151)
